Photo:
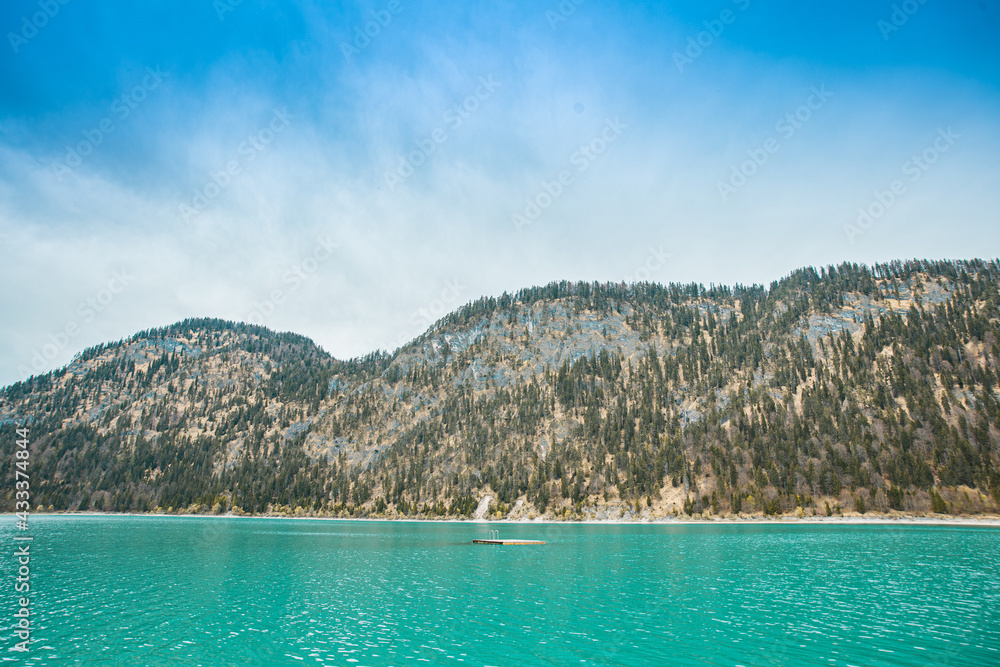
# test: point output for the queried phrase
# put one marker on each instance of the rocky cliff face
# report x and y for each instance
(848, 389)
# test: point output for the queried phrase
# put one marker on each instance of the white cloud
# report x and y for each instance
(403, 252)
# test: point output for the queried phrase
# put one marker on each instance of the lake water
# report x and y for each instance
(196, 591)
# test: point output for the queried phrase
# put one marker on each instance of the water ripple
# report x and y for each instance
(138, 591)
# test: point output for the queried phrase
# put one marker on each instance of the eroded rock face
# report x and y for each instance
(482, 508)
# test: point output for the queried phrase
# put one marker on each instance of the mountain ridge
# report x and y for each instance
(844, 389)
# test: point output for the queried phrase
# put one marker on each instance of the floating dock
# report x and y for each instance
(507, 541)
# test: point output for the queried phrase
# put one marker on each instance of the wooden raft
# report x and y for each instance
(507, 541)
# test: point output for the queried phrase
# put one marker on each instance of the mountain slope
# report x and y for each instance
(845, 389)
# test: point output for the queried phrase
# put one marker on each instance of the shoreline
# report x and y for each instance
(990, 521)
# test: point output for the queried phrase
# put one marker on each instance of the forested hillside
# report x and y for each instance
(841, 390)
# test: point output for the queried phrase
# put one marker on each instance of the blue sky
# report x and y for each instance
(267, 161)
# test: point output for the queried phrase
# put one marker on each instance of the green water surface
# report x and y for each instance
(217, 591)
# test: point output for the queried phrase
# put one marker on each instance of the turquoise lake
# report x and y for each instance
(199, 591)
